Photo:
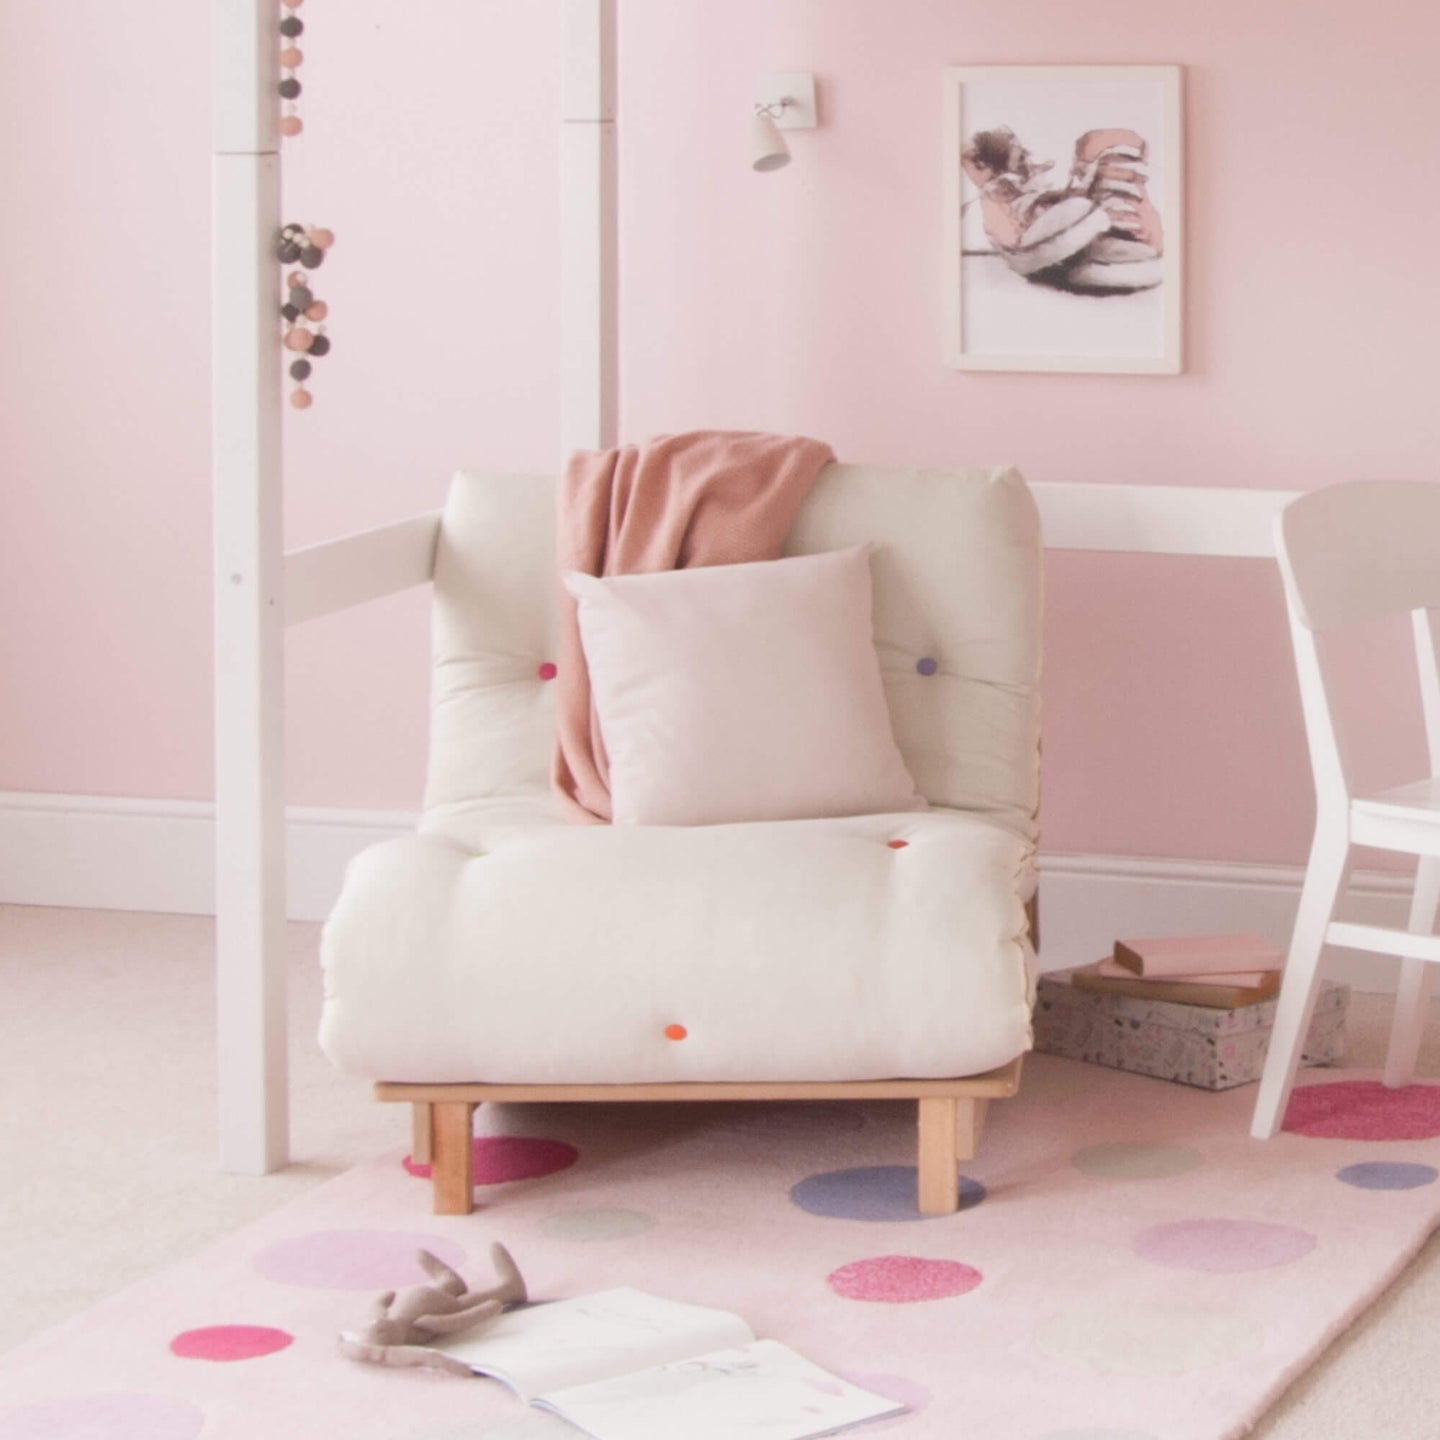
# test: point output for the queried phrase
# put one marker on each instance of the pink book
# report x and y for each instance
(1170, 956)
(1239, 979)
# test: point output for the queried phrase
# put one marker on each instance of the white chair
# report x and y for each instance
(501, 954)
(1351, 553)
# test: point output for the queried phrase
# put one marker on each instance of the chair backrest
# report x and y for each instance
(1361, 549)
(957, 582)
(1353, 552)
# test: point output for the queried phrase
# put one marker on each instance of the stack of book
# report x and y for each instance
(1223, 972)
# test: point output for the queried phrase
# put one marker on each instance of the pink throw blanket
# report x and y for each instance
(709, 497)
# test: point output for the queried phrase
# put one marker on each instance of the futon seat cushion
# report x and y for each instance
(501, 944)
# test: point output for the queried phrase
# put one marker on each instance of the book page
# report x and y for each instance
(590, 1337)
(763, 1391)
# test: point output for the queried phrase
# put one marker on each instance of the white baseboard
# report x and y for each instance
(122, 854)
(119, 854)
(1086, 901)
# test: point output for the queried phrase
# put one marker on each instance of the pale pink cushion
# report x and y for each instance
(734, 693)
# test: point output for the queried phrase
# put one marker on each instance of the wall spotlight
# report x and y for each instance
(782, 102)
(768, 150)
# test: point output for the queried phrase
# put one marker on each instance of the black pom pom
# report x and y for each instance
(300, 296)
(291, 26)
(312, 257)
(290, 312)
(321, 345)
(289, 88)
(300, 370)
(291, 232)
(289, 252)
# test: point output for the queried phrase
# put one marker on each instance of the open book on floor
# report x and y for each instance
(626, 1365)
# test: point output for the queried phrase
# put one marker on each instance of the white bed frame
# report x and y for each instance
(260, 590)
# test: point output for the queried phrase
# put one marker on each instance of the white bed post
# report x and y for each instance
(249, 599)
(589, 278)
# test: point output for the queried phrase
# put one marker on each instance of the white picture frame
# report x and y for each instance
(1063, 225)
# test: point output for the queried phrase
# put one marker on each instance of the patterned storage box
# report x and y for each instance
(1194, 1044)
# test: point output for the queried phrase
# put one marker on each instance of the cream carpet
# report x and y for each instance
(106, 1041)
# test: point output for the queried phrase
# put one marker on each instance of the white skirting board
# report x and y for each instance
(134, 854)
(103, 853)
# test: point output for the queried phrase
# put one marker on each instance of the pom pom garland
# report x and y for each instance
(305, 246)
(300, 245)
(291, 58)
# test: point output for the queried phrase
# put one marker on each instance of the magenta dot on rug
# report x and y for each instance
(1364, 1110)
(230, 1342)
(901, 1279)
(1223, 1247)
(104, 1417)
(510, 1157)
(354, 1259)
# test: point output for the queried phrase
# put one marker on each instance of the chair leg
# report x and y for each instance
(1324, 879)
(1412, 1000)
(452, 1172)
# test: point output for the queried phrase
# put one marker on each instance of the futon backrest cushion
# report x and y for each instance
(957, 576)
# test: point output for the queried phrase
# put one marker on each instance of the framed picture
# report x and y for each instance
(1063, 223)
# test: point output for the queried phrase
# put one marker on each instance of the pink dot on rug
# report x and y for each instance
(1223, 1247)
(1364, 1110)
(354, 1259)
(510, 1157)
(901, 1279)
(104, 1417)
(230, 1342)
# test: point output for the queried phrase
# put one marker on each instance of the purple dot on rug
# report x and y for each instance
(354, 1259)
(230, 1342)
(104, 1417)
(510, 1157)
(1364, 1110)
(1223, 1247)
(872, 1192)
(902, 1279)
(1388, 1175)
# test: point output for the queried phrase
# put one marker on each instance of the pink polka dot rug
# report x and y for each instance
(1127, 1264)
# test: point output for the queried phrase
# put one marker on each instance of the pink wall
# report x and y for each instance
(805, 300)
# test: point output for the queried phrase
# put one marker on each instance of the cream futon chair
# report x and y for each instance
(503, 954)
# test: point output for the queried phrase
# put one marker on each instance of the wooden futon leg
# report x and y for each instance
(951, 1112)
(452, 1173)
(949, 1131)
(422, 1133)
